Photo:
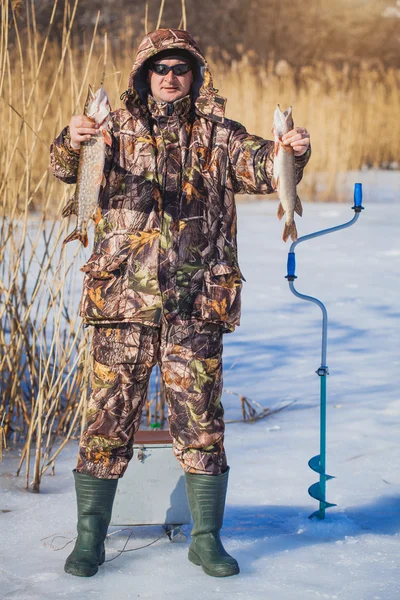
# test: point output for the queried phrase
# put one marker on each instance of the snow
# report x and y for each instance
(354, 553)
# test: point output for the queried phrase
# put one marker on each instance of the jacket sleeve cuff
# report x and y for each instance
(64, 160)
(67, 143)
(300, 163)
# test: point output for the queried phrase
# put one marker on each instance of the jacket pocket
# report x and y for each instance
(220, 298)
(103, 298)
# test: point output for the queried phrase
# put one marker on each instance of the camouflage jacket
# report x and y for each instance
(165, 247)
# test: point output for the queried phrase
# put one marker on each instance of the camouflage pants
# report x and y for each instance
(190, 359)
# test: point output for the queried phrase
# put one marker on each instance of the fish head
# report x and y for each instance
(97, 105)
(283, 121)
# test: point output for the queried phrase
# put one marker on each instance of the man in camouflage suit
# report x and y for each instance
(163, 283)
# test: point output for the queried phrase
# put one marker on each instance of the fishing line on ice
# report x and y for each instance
(126, 543)
(63, 535)
(166, 534)
(54, 536)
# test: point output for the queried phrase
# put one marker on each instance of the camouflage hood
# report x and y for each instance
(207, 102)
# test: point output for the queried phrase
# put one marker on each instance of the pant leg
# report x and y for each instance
(123, 357)
(191, 367)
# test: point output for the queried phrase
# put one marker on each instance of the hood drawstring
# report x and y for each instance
(124, 95)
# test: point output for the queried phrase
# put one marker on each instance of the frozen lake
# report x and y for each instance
(355, 553)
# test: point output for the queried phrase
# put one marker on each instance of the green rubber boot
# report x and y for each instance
(95, 499)
(206, 496)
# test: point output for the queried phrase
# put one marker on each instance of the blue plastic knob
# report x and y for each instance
(291, 264)
(358, 194)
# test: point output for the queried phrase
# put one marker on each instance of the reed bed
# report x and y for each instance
(347, 112)
(44, 357)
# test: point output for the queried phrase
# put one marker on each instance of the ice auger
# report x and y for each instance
(317, 463)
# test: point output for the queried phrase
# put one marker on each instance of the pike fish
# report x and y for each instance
(84, 203)
(284, 179)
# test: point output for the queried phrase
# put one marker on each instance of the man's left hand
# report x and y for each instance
(299, 139)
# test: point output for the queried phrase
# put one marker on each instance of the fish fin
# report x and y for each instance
(275, 182)
(70, 208)
(281, 211)
(97, 215)
(77, 235)
(288, 113)
(107, 137)
(276, 147)
(290, 230)
(298, 207)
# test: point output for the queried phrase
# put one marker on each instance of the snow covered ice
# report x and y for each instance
(355, 553)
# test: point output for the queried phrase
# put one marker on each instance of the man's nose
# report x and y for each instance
(170, 77)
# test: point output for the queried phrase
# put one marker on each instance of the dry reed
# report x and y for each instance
(350, 116)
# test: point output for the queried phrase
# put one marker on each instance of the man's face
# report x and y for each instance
(170, 87)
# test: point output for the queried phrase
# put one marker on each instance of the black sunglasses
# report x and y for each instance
(180, 69)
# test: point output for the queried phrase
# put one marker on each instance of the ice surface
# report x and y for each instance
(355, 553)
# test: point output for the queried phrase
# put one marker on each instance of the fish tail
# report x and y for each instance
(298, 207)
(77, 235)
(290, 230)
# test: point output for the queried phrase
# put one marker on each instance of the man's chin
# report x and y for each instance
(171, 97)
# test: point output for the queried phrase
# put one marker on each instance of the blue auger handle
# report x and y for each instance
(358, 207)
(291, 267)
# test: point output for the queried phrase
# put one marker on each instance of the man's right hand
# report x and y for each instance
(81, 129)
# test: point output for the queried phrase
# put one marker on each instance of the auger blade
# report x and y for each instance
(315, 492)
(315, 464)
(319, 514)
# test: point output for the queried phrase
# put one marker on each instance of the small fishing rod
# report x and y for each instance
(318, 463)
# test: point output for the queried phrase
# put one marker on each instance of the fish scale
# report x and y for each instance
(84, 203)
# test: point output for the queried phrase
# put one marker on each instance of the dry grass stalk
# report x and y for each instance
(3, 440)
(146, 17)
(183, 21)
(160, 14)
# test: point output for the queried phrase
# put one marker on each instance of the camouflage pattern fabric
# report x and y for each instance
(190, 358)
(165, 247)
